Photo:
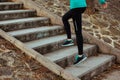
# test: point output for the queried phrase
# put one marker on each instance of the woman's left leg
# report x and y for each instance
(77, 20)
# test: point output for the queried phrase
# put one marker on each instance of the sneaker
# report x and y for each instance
(79, 59)
(68, 43)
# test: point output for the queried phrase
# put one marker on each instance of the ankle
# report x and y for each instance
(80, 55)
(69, 39)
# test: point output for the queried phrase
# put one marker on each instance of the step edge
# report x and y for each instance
(27, 43)
(100, 65)
(15, 11)
(11, 32)
(110, 59)
(25, 20)
(74, 53)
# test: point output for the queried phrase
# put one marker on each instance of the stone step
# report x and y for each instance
(3, 0)
(91, 67)
(49, 44)
(17, 24)
(10, 6)
(16, 14)
(65, 57)
(26, 35)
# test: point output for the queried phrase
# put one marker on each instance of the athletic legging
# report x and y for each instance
(76, 15)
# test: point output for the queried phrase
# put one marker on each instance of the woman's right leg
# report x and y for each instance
(65, 19)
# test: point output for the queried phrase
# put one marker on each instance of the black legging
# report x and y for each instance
(76, 15)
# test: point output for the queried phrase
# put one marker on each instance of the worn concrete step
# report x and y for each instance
(3, 0)
(49, 44)
(65, 57)
(91, 67)
(10, 6)
(26, 35)
(17, 24)
(16, 14)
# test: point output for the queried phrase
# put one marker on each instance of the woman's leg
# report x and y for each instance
(78, 30)
(77, 20)
(65, 19)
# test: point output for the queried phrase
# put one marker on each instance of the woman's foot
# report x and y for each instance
(68, 42)
(79, 59)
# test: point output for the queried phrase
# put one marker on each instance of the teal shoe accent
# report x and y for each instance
(68, 43)
(76, 57)
(80, 59)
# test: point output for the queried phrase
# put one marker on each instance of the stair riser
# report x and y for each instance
(67, 61)
(39, 35)
(11, 7)
(9, 16)
(3, 0)
(24, 25)
(97, 71)
(50, 47)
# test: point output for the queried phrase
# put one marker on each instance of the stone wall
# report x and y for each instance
(105, 23)
(96, 20)
(103, 27)
(113, 8)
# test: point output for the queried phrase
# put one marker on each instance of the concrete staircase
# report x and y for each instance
(37, 33)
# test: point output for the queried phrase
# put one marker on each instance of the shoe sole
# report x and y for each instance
(82, 60)
(68, 45)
